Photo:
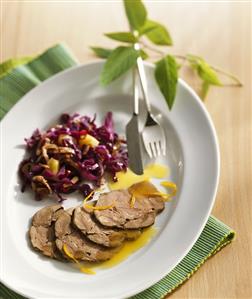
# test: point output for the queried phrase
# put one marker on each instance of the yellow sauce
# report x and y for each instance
(157, 171)
(126, 179)
(81, 267)
(130, 247)
(86, 270)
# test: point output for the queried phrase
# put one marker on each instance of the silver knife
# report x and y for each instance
(132, 133)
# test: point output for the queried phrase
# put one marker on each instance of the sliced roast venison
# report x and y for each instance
(122, 214)
(42, 230)
(76, 244)
(85, 221)
(147, 197)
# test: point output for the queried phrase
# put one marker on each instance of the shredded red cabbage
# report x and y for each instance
(77, 164)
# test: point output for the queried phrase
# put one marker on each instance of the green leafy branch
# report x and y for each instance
(123, 58)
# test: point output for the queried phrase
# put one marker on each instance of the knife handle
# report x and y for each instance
(135, 93)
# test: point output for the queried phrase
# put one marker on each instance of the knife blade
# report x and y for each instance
(132, 133)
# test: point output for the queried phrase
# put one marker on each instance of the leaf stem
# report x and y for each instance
(184, 58)
(180, 56)
(218, 70)
(153, 49)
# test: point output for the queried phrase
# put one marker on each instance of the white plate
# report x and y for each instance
(192, 156)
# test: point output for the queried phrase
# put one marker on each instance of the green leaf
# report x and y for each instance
(136, 13)
(102, 52)
(207, 74)
(204, 90)
(119, 61)
(143, 54)
(193, 59)
(159, 35)
(126, 37)
(147, 28)
(166, 75)
(204, 70)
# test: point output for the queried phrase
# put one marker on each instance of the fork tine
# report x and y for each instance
(155, 148)
(153, 137)
(148, 149)
(151, 150)
(152, 146)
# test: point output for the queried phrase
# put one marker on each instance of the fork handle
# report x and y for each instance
(142, 77)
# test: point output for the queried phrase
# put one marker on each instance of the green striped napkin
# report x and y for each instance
(17, 77)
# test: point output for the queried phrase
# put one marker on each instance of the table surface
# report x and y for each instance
(221, 33)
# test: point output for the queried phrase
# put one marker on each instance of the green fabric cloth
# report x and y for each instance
(17, 77)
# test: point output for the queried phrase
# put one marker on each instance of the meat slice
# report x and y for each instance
(122, 215)
(47, 215)
(42, 231)
(76, 244)
(63, 225)
(96, 232)
(147, 197)
(85, 221)
(128, 214)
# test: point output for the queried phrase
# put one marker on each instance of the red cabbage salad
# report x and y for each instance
(73, 155)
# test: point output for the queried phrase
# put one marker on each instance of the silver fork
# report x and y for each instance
(153, 134)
